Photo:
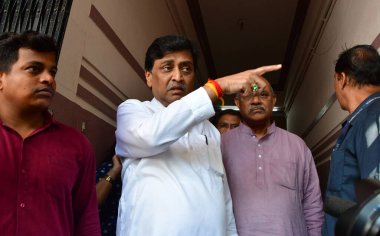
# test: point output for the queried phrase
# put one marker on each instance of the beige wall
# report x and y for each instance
(102, 59)
(330, 27)
(99, 69)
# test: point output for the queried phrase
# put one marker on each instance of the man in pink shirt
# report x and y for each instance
(47, 168)
(271, 172)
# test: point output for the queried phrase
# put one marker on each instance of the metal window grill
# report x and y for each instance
(44, 16)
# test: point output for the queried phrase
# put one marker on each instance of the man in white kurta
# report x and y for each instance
(173, 176)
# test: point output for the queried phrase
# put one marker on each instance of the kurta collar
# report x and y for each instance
(245, 129)
(157, 105)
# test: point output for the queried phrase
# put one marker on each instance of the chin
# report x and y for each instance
(42, 105)
(259, 118)
(176, 97)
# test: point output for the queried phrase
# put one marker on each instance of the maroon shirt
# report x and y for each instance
(48, 182)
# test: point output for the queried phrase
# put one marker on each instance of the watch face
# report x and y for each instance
(109, 179)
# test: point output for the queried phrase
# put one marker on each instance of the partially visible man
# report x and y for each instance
(271, 173)
(356, 154)
(47, 168)
(226, 120)
(173, 176)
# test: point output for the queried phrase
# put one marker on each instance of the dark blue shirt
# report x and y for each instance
(356, 155)
(108, 211)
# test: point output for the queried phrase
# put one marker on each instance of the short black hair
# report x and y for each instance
(361, 63)
(167, 44)
(221, 113)
(10, 43)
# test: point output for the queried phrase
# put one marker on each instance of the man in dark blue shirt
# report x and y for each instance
(356, 154)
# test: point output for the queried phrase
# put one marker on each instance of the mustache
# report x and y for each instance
(256, 107)
(175, 85)
(45, 89)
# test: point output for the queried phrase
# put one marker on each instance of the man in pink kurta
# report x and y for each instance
(271, 173)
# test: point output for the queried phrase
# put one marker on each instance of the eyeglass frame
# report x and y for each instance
(263, 95)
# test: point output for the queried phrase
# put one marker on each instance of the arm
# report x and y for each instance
(103, 187)
(243, 81)
(312, 199)
(142, 132)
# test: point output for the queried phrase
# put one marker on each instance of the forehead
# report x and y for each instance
(26, 55)
(268, 87)
(177, 56)
(229, 117)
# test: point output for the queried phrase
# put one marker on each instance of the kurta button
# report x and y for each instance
(260, 168)
(22, 205)
(259, 156)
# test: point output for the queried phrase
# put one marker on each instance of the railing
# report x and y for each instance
(45, 16)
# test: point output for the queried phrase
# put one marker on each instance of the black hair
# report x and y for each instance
(167, 44)
(221, 113)
(10, 43)
(361, 63)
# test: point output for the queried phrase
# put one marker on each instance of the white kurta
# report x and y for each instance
(173, 177)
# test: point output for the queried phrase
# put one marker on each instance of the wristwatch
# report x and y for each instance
(108, 179)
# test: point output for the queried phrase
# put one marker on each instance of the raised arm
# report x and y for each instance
(241, 82)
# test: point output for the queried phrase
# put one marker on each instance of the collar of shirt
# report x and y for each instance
(48, 121)
(157, 104)
(245, 129)
(346, 125)
(361, 107)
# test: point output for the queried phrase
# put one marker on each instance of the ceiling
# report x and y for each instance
(244, 34)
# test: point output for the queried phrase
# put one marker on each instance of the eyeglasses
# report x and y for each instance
(262, 95)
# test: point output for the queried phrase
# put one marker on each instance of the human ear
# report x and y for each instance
(274, 100)
(237, 102)
(342, 80)
(1, 80)
(148, 77)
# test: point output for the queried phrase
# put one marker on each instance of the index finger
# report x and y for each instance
(264, 69)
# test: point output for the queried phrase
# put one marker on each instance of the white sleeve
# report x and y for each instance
(142, 133)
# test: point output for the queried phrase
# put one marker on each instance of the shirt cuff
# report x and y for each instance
(200, 103)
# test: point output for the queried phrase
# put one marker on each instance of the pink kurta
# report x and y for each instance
(273, 181)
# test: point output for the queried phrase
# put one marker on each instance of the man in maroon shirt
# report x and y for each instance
(47, 168)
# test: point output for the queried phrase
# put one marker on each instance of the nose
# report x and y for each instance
(256, 99)
(177, 75)
(47, 78)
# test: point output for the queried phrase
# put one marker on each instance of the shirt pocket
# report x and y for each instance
(207, 161)
(336, 171)
(216, 168)
(63, 172)
(284, 173)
